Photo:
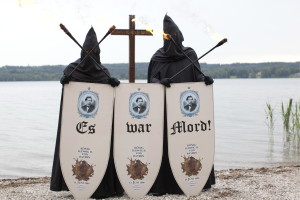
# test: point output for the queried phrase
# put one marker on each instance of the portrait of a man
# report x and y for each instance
(140, 106)
(88, 106)
(190, 104)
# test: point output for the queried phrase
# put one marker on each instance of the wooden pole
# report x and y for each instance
(131, 32)
(131, 49)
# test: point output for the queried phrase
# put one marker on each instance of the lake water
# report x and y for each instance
(29, 116)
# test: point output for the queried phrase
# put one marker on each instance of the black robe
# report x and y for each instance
(166, 62)
(88, 71)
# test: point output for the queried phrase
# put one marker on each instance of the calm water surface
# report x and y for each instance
(29, 116)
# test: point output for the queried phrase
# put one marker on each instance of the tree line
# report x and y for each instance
(120, 71)
(253, 70)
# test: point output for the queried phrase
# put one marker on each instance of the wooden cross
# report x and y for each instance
(131, 32)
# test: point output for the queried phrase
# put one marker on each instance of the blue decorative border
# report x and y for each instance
(132, 103)
(182, 102)
(81, 96)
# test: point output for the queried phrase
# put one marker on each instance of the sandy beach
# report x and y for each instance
(261, 183)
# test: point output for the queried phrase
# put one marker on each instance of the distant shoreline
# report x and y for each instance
(120, 71)
(126, 80)
(258, 183)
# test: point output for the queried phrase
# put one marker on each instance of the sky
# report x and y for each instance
(257, 30)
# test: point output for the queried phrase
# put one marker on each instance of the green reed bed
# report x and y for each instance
(290, 115)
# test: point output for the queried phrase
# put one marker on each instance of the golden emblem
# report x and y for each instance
(82, 170)
(191, 166)
(137, 169)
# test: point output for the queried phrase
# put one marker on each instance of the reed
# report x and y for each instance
(286, 115)
(291, 122)
(295, 126)
(270, 117)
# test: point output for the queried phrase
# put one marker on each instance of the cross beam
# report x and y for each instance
(131, 32)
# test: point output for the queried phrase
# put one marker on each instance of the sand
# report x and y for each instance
(261, 183)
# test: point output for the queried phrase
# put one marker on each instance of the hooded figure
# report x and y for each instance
(88, 71)
(166, 62)
(169, 60)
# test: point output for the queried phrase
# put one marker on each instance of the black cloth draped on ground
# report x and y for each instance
(86, 72)
(166, 62)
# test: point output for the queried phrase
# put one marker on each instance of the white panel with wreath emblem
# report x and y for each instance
(85, 136)
(191, 134)
(138, 136)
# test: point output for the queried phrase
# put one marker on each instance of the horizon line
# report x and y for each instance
(148, 62)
